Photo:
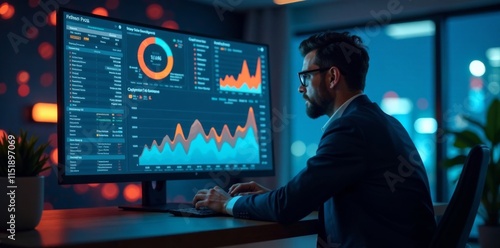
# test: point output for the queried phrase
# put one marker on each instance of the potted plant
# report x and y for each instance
(21, 187)
(488, 134)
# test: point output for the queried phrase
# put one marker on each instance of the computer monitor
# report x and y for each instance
(144, 103)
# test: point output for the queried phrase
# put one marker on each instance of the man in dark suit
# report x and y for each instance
(367, 179)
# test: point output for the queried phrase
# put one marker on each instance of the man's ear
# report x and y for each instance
(334, 76)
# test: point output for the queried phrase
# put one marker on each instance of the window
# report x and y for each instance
(473, 62)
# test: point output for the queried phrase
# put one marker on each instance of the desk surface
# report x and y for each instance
(111, 227)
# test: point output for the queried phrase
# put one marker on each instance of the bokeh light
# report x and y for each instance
(33, 3)
(4, 7)
(311, 149)
(46, 79)
(93, 185)
(298, 148)
(23, 77)
(170, 24)
(2, 133)
(476, 83)
(46, 50)
(422, 103)
(23, 90)
(7, 10)
(391, 94)
(100, 11)
(3, 88)
(112, 4)
(32, 33)
(132, 193)
(53, 156)
(53, 140)
(154, 11)
(109, 191)
(477, 68)
(81, 188)
(52, 18)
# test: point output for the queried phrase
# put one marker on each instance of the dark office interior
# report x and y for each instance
(431, 64)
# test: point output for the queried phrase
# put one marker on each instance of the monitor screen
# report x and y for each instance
(145, 103)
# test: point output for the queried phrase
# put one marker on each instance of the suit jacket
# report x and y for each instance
(367, 180)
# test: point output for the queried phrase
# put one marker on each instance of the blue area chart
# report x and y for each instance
(242, 147)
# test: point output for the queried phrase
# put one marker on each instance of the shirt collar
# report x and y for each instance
(339, 111)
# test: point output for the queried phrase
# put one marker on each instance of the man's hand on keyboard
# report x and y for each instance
(214, 198)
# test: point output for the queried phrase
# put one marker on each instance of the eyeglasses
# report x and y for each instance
(305, 76)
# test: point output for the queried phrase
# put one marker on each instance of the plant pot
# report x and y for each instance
(21, 205)
(489, 236)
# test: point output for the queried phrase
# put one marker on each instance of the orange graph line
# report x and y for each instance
(253, 82)
(224, 137)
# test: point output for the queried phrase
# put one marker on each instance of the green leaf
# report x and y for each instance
(457, 160)
(466, 139)
(474, 122)
(492, 126)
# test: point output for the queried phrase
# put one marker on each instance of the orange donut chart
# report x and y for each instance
(142, 64)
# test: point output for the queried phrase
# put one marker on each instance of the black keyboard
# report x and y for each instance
(193, 212)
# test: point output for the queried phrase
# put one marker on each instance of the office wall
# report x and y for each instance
(28, 76)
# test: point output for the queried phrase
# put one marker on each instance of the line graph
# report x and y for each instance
(197, 147)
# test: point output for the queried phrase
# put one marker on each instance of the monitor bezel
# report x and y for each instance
(63, 178)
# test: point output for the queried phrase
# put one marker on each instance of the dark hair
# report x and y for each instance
(342, 50)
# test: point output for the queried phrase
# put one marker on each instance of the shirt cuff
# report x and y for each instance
(230, 204)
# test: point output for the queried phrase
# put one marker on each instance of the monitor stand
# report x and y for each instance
(154, 198)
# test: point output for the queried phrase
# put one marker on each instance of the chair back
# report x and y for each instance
(455, 225)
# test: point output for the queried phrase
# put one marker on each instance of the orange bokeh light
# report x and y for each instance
(23, 77)
(109, 191)
(154, 11)
(44, 112)
(23, 90)
(7, 11)
(2, 134)
(46, 50)
(4, 8)
(170, 24)
(93, 185)
(132, 193)
(112, 4)
(3, 88)
(52, 18)
(53, 156)
(100, 11)
(81, 188)
(46, 79)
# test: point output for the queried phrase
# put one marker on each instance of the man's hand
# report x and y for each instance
(214, 198)
(249, 188)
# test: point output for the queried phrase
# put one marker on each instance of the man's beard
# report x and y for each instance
(315, 110)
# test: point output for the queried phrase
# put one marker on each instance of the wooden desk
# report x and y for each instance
(112, 227)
